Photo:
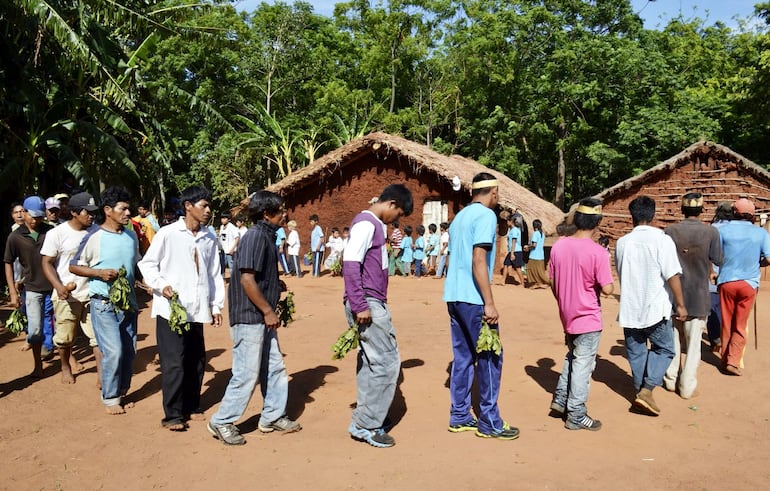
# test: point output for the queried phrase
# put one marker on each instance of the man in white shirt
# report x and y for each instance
(228, 241)
(70, 297)
(649, 270)
(182, 259)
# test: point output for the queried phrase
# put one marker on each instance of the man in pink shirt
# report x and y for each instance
(580, 271)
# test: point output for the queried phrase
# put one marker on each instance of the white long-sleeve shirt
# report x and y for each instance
(293, 243)
(190, 265)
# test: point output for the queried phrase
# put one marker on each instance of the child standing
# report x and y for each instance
(293, 247)
(336, 247)
(536, 274)
(432, 249)
(407, 256)
(443, 254)
(419, 251)
(316, 244)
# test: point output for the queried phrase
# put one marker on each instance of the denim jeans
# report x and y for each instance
(256, 357)
(34, 302)
(687, 338)
(115, 332)
(486, 367)
(442, 262)
(378, 366)
(649, 365)
(575, 379)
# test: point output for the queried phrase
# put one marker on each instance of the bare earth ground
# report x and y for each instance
(54, 436)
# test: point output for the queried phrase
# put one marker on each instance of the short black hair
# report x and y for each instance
(193, 194)
(604, 241)
(114, 195)
(399, 194)
(407, 230)
(420, 229)
(432, 228)
(226, 214)
(264, 203)
(642, 209)
(313, 217)
(335, 229)
(144, 204)
(394, 224)
(587, 222)
(482, 176)
(444, 225)
(537, 224)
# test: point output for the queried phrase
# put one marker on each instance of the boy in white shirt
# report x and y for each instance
(292, 248)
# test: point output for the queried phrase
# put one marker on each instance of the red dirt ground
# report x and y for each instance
(54, 436)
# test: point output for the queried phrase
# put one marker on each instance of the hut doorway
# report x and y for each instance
(434, 211)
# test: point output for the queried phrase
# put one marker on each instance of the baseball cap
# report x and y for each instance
(35, 206)
(61, 196)
(743, 205)
(84, 201)
(52, 203)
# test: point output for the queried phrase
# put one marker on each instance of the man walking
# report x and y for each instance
(649, 273)
(468, 294)
(253, 297)
(70, 298)
(228, 242)
(579, 271)
(697, 247)
(102, 253)
(183, 260)
(744, 244)
(365, 272)
(24, 245)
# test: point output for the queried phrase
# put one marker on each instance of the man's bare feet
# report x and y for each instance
(174, 426)
(114, 410)
(77, 367)
(128, 405)
(67, 377)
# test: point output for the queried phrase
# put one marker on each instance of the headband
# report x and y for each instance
(589, 210)
(489, 183)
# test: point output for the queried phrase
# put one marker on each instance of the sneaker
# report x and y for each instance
(376, 437)
(585, 423)
(470, 425)
(507, 433)
(283, 424)
(228, 433)
(557, 408)
(646, 402)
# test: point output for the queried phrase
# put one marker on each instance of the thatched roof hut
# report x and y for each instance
(351, 169)
(714, 170)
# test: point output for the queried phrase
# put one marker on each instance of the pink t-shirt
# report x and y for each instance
(578, 269)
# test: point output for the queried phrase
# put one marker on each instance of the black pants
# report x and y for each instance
(182, 362)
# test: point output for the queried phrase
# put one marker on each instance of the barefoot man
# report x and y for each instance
(183, 259)
(70, 297)
(101, 254)
(24, 244)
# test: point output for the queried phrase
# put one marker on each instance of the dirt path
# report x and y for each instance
(54, 436)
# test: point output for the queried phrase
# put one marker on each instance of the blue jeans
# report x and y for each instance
(379, 364)
(39, 310)
(418, 269)
(575, 379)
(115, 332)
(648, 366)
(465, 324)
(256, 356)
(442, 260)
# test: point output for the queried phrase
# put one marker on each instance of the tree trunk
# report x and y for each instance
(561, 168)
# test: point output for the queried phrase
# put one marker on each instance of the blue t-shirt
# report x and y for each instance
(474, 226)
(105, 249)
(419, 249)
(280, 236)
(433, 242)
(316, 239)
(742, 243)
(538, 253)
(514, 233)
(406, 246)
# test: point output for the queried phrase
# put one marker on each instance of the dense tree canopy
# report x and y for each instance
(565, 96)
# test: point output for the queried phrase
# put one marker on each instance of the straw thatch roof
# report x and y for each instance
(512, 195)
(703, 147)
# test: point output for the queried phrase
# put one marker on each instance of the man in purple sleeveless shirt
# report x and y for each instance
(365, 271)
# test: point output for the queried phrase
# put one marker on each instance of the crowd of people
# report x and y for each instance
(74, 263)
